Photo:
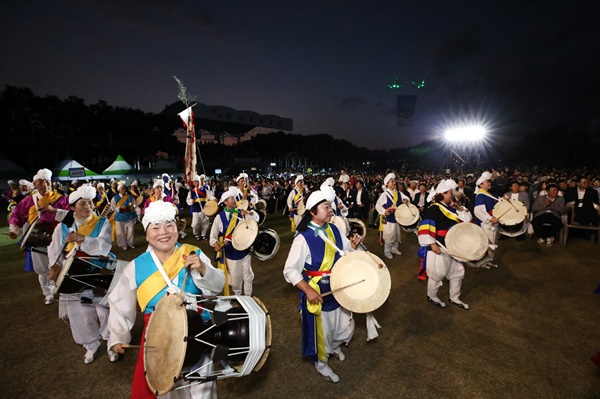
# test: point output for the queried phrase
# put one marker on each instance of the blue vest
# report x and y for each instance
(124, 216)
(390, 203)
(317, 246)
(197, 206)
(230, 251)
(482, 199)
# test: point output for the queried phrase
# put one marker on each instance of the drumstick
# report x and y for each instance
(503, 213)
(411, 211)
(129, 346)
(364, 248)
(513, 205)
(342, 288)
(187, 271)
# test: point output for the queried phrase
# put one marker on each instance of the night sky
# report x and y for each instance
(516, 65)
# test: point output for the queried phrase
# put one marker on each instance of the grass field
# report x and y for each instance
(530, 333)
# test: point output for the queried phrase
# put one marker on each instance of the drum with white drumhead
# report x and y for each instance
(512, 217)
(211, 208)
(466, 242)
(230, 338)
(244, 234)
(341, 223)
(367, 280)
(301, 208)
(407, 216)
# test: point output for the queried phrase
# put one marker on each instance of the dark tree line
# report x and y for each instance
(42, 131)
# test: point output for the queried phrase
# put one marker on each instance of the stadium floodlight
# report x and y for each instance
(465, 134)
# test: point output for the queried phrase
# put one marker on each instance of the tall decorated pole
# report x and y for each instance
(187, 117)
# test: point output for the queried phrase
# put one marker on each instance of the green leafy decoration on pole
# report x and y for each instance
(183, 95)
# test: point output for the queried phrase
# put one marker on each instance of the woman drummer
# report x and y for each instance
(437, 220)
(143, 279)
(325, 323)
(89, 235)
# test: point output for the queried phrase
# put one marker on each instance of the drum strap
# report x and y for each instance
(298, 196)
(154, 284)
(39, 201)
(85, 230)
(122, 200)
(448, 212)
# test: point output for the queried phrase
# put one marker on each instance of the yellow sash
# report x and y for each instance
(122, 200)
(221, 255)
(326, 265)
(315, 309)
(101, 200)
(48, 199)
(154, 284)
(298, 196)
(447, 213)
(85, 230)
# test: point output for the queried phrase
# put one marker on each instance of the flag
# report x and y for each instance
(189, 160)
(187, 116)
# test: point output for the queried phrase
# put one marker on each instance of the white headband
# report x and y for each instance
(44, 174)
(85, 192)
(158, 212)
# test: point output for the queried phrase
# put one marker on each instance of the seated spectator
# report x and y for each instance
(584, 198)
(547, 210)
(515, 193)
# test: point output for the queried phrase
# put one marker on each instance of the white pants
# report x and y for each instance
(89, 322)
(491, 231)
(240, 271)
(125, 233)
(338, 328)
(200, 222)
(444, 266)
(41, 267)
(392, 236)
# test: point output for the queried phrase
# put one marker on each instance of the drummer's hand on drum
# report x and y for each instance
(118, 348)
(493, 220)
(405, 200)
(388, 211)
(217, 247)
(74, 237)
(54, 272)
(435, 248)
(193, 262)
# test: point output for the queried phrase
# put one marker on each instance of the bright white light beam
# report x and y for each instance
(469, 133)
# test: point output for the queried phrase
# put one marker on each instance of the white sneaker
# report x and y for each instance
(49, 299)
(113, 356)
(436, 302)
(339, 354)
(549, 241)
(459, 303)
(541, 241)
(89, 356)
(396, 251)
(327, 373)
(389, 256)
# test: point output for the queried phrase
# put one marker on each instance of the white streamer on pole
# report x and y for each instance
(189, 160)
